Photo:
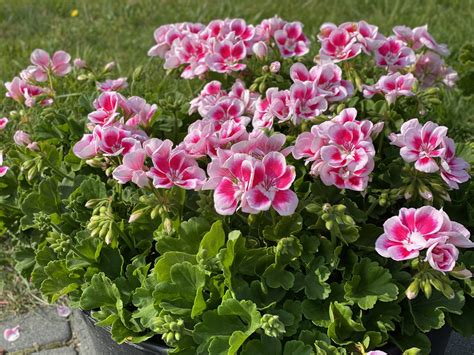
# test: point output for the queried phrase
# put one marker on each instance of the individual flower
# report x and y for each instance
(58, 64)
(3, 123)
(326, 78)
(259, 144)
(114, 140)
(338, 43)
(368, 36)
(21, 138)
(442, 256)
(260, 49)
(164, 38)
(3, 168)
(113, 85)
(274, 188)
(174, 168)
(291, 40)
(226, 57)
(11, 334)
(421, 144)
(392, 86)
(409, 232)
(394, 54)
(106, 106)
(305, 103)
(79, 63)
(430, 69)
(454, 170)
(207, 98)
(139, 111)
(190, 50)
(132, 169)
(20, 91)
(228, 109)
(86, 148)
(420, 37)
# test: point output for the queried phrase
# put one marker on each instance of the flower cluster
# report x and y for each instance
(222, 45)
(309, 96)
(25, 89)
(425, 228)
(392, 86)
(431, 150)
(340, 151)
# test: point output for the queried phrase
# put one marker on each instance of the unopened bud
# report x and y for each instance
(413, 289)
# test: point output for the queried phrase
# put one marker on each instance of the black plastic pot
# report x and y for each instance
(104, 341)
(439, 342)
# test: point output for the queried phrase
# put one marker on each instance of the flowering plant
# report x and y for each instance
(304, 205)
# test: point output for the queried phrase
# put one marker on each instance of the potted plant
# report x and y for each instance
(269, 202)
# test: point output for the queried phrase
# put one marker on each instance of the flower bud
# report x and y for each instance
(260, 49)
(79, 63)
(275, 67)
(461, 273)
(413, 289)
(109, 66)
(272, 326)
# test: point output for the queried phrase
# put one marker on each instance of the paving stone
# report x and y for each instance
(460, 346)
(38, 328)
(58, 351)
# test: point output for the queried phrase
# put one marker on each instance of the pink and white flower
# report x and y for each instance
(430, 68)
(392, 86)
(114, 140)
(275, 67)
(58, 65)
(174, 168)
(339, 43)
(442, 256)
(139, 111)
(260, 49)
(113, 85)
(106, 106)
(86, 148)
(207, 98)
(79, 63)
(274, 188)
(3, 168)
(454, 170)
(419, 37)
(394, 54)
(228, 109)
(409, 232)
(3, 123)
(291, 40)
(305, 103)
(164, 38)
(132, 169)
(226, 57)
(20, 91)
(421, 144)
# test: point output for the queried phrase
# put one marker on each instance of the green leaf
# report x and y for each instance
(163, 266)
(101, 292)
(212, 241)
(276, 276)
(286, 226)
(297, 347)
(463, 323)
(342, 325)
(315, 285)
(428, 313)
(227, 255)
(370, 283)
(265, 345)
(60, 280)
(120, 333)
(189, 237)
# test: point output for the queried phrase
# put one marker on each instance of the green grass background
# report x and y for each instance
(122, 30)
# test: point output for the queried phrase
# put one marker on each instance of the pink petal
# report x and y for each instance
(426, 165)
(275, 164)
(285, 202)
(63, 311)
(40, 57)
(428, 220)
(395, 230)
(225, 197)
(258, 200)
(11, 334)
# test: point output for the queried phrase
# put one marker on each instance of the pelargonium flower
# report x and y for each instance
(114, 140)
(339, 43)
(207, 98)
(394, 54)
(164, 37)
(190, 50)
(421, 144)
(113, 85)
(132, 169)
(267, 28)
(430, 68)
(291, 40)
(274, 188)
(79, 63)
(442, 256)
(3, 168)
(58, 64)
(419, 37)
(228, 109)
(226, 57)
(11, 334)
(340, 151)
(260, 144)
(276, 104)
(3, 123)
(326, 78)
(392, 86)
(305, 103)
(138, 111)
(368, 36)
(86, 148)
(20, 91)
(409, 232)
(260, 49)
(106, 106)
(274, 67)
(173, 167)
(454, 170)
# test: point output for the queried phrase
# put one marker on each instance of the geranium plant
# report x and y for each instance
(270, 202)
